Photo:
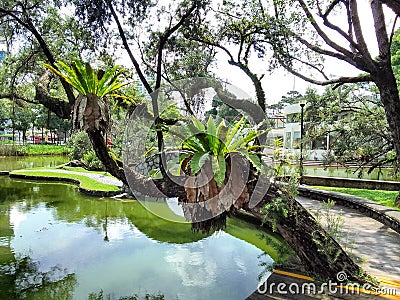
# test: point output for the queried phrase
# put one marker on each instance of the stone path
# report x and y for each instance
(98, 177)
(374, 246)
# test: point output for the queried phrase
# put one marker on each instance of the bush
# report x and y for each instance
(7, 149)
(93, 162)
(82, 150)
(80, 145)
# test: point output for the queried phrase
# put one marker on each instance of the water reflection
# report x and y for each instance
(9, 163)
(193, 268)
(52, 246)
(23, 278)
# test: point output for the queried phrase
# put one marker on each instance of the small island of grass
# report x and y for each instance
(77, 175)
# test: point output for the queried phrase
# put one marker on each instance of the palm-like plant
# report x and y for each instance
(215, 156)
(91, 108)
(215, 143)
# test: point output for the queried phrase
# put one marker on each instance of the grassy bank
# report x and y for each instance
(84, 181)
(386, 198)
(29, 149)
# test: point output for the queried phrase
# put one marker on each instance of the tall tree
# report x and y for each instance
(328, 38)
(22, 119)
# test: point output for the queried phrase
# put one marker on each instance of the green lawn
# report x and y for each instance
(386, 198)
(85, 182)
(81, 170)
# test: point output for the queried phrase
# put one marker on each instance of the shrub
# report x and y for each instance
(7, 149)
(81, 149)
(93, 162)
(80, 145)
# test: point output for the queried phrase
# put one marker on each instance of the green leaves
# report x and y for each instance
(86, 80)
(216, 142)
(219, 169)
(197, 161)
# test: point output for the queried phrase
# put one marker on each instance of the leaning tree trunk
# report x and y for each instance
(320, 254)
(112, 165)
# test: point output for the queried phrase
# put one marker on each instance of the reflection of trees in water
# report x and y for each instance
(22, 278)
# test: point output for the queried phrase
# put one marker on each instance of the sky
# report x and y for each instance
(280, 81)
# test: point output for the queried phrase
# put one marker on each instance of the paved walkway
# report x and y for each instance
(373, 245)
(98, 177)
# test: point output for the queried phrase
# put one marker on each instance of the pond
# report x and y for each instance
(56, 243)
(9, 163)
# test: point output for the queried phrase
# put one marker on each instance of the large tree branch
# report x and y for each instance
(60, 107)
(337, 81)
(312, 66)
(209, 43)
(320, 32)
(380, 30)
(330, 25)
(357, 30)
(319, 50)
(128, 49)
(394, 5)
(256, 82)
(164, 38)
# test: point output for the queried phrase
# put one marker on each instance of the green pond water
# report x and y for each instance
(56, 243)
(9, 163)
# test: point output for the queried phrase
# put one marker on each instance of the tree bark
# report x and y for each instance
(389, 93)
(113, 166)
(61, 108)
(393, 5)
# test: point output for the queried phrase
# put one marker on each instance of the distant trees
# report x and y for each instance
(354, 119)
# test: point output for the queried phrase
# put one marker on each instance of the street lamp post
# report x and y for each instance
(301, 140)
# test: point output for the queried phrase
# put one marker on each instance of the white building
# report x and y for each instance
(288, 128)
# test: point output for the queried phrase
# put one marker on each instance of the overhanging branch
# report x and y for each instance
(337, 81)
